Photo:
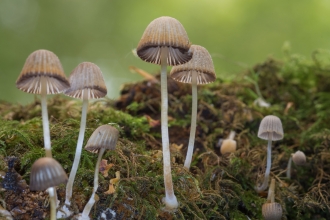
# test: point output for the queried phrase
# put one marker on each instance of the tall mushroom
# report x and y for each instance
(270, 129)
(46, 173)
(86, 83)
(43, 74)
(199, 70)
(103, 138)
(165, 42)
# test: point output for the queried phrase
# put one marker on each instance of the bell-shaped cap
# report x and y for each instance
(46, 172)
(105, 137)
(86, 77)
(42, 67)
(271, 128)
(272, 211)
(299, 158)
(200, 64)
(164, 32)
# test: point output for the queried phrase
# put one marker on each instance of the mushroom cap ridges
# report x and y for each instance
(42, 64)
(86, 77)
(164, 32)
(271, 126)
(299, 158)
(272, 211)
(200, 64)
(105, 137)
(46, 172)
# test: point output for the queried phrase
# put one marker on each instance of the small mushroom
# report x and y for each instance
(86, 83)
(47, 173)
(43, 74)
(298, 158)
(165, 42)
(199, 70)
(270, 129)
(272, 210)
(228, 145)
(103, 138)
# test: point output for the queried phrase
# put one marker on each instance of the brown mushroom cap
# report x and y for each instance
(164, 32)
(228, 146)
(105, 137)
(272, 211)
(299, 158)
(201, 64)
(46, 172)
(86, 76)
(42, 64)
(271, 126)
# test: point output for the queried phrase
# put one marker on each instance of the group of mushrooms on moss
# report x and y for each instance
(164, 42)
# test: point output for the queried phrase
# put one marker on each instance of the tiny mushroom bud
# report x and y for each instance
(43, 74)
(298, 158)
(270, 129)
(228, 145)
(272, 210)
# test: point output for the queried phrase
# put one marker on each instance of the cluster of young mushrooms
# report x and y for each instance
(164, 42)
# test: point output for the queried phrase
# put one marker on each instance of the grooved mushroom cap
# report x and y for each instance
(299, 158)
(86, 77)
(164, 32)
(271, 126)
(46, 172)
(201, 64)
(272, 211)
(42, 66)
(104, 136)
(228, 146)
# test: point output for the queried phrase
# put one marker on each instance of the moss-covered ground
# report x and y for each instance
(217, 186)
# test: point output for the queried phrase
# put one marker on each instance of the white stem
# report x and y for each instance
(231, 135)
(271, 192)
(190, 151)
(89, 205)
(268, 166)
(45, 122)
(170, 199)
(77, 156)
(52, 200)
(288, 169)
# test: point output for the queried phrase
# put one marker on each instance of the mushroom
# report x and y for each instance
(86, 83)
(298, 158)
(270, 129)
(272, 210)
(165, 42)
(199, 70)
(228, 145)
(103, 138)
(46, 173)
(43, 74)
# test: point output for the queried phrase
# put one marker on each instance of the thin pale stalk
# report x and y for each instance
(271, 192)
(45, 121)
(190, 151)
(268, 166)
(52, 200)
(288, 169)
(89, 205)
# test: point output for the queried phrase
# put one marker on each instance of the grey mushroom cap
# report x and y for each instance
(299, 158)
(272, 211)
(271, 127)
(105, 136)
(164, 32)
(46, 172)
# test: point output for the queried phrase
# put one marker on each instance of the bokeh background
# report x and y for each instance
(237, 33)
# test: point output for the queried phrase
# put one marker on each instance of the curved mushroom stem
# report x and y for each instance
(271, 192)
(44, 112)
(77, 156)
(52, 200)
(268, 166)
(190, 151)
(231, 135)
(91, 201)
(288, 169)
(169, 199)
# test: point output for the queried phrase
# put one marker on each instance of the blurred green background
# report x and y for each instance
(237, 33)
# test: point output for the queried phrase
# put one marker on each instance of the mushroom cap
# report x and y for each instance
(86, 77)
(164, 32)
(46, 172)
(271, 126)
(42, 64)
(200, 64)
(228, 146)
(105, 137)
(272, 211)
(299, 158)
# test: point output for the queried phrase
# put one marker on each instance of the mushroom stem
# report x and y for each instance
(288, 169)
(190, 151)
(51, 191)
(231, 135)
(89, 205)
(268, 166)
(45, 122)
(271, 192)
(77, 156)
(170, 199)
